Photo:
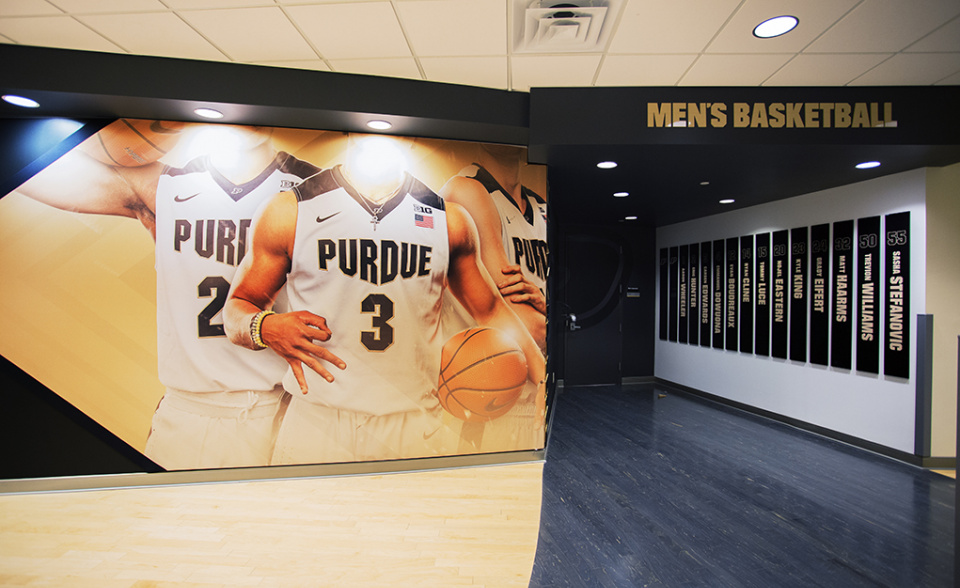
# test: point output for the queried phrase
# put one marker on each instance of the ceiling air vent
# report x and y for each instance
(549, 26)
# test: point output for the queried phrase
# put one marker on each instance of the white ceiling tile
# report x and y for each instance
(953, 80)
(489, 72)
(201, 4)
(163, 34)
(945, 39)
(55, 31)
(881, 26)
(27, 8)
(103, 6)
(643, 70)
(911, 69)
(312, 64)
(455, 27)
(251, 34)
(345, 31)
(678, 26)
(397, 67)
(543, 71)
(821, 69)
(815, 17)
(733, 70)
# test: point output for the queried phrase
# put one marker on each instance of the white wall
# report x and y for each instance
(867, 406)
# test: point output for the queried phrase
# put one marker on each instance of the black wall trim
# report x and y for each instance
(939, 462)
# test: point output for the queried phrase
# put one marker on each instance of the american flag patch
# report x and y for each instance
(422, 220)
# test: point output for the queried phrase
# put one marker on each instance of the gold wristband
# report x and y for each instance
(255, 324)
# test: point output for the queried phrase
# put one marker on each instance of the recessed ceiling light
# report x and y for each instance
(704, 183)
(774, 27)
(379, 125)
(607, 164)
(727, 201)
(621, 194)
(629, 218)
(868, 164)
(20, 101)
(208, 113)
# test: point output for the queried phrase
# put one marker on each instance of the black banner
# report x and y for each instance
(896, 349)
(664, 292)
(684, 292)
(706, 257)
(819, 297)
(798, 293)
(762, 305)
(719, 279)
(674, 282)
(694, 306)
(746, 294)
(780, 273)
(841, 332)
(733, 292)
(868, 296)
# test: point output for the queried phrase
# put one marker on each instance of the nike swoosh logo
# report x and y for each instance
(321, 219)
(179, 198)
(427, 436)
(492, 406)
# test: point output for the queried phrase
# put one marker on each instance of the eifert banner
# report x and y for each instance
(163, 272)
(896, 348)
(819, 298)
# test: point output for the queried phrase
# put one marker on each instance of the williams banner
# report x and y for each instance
(868, 284)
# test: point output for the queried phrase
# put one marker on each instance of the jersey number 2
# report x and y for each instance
(382, 337)
(217, 287)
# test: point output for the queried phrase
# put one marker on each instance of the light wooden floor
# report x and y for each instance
(465, 527)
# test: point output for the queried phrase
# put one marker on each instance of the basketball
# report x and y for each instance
(131, 142)
(482, 372)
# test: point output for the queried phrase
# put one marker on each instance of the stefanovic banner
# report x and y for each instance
(224, 296)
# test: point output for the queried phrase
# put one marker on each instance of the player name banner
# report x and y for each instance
(719, 280)
(868, 268)
(762, 304)
(674, 285)
(819, 299)
(694, 306)
(732, 293)
(706, 257)
(746, 294)
(896, 350)
(684, 293)
(841, 325)
(798, 294)
(664, 292)
(780, 275)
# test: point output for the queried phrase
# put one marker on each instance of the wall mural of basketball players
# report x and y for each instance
(351, 228)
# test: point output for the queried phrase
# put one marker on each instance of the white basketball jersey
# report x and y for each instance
(377, 276)
(203, 229)
(522, 234)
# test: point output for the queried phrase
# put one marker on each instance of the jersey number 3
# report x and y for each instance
(382, 337)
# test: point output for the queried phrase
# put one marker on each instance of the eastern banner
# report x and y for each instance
(896, 348)
(781, 279)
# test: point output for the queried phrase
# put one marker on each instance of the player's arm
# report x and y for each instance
(79, 183)
(262, 273)
(473, 287)
(529, 302)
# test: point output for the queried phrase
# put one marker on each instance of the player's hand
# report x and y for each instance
(519, 291)
(293, 336)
